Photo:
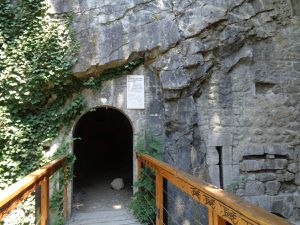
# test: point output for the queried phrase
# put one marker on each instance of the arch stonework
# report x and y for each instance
(113, 94)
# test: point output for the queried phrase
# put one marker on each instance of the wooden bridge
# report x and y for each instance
(223, 208)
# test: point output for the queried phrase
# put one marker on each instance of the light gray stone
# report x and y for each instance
(265, 177)
(227, 155)
(214, 175)
(272, 187)
(276, 149)
(297, 201)
(297, 178)
(253, 150)
(254, 188)
(174, 80)
(212, 157)
(220, 139)
(289, 176)
(117, 184)
(245, 54)
(282, 207)
(263, 164)
(288, 188)
(207, 57)
(293, 167)
(195, 19)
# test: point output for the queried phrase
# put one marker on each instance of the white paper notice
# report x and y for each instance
(135, 92)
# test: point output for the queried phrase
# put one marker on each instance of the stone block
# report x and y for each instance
(293, 167)
(272, 187)
(289, 176)
(227, 155)
(236, 156)
(212, 157)
(282, 207)
(253, 150)
(297, 201)
(230, 173)
(296, 215)
(254, 188)
(252, 165)
(297, 66)
(288, 188)
(276, 149)
(220, 139)
(214, 175)
(263, 164)
(265, 177)
(297, 178)
(264, 201)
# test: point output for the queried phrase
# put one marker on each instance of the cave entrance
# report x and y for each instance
(103, 147)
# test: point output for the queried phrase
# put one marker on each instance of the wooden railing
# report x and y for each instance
(11, 197)
(224, 208)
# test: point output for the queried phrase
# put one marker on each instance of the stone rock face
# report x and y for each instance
(254, 188)
(272, 187)
(117, 184)
(223, 82)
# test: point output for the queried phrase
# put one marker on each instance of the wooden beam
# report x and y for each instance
(16, 193)
(227, 206)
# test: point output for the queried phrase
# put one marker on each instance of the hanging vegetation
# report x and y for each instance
(39, 95)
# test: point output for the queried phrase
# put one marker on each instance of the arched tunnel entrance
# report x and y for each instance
(103, 147)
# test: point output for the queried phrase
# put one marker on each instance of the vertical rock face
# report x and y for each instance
(229, 74)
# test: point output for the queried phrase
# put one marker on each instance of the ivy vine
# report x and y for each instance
(39, 95)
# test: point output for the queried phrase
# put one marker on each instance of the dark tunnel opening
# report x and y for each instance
(103, 147)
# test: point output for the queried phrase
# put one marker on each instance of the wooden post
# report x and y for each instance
(210, 217)
(65, 198)
(44, 201)
(214, 219)
(159, 199)
(139, 167)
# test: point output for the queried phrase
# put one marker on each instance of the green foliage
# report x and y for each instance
(143, 201)
(150, 144)
(96, 81)
(237, 183)
(37, 53)
(39, 96)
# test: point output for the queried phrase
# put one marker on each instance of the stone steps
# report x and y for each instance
(114, 217)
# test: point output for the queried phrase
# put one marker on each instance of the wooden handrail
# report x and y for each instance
(12, 196)
(222, 205)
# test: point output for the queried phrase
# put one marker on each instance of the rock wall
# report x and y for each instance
(229, 73)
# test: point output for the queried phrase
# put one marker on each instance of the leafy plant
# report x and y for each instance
(237, 183)
(39, 96)
(143, 201)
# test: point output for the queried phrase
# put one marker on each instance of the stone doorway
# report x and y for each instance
(103, 147)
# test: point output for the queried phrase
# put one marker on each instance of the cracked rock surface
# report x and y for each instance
(228, 76)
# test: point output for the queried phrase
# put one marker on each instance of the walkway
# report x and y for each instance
(97, 203)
